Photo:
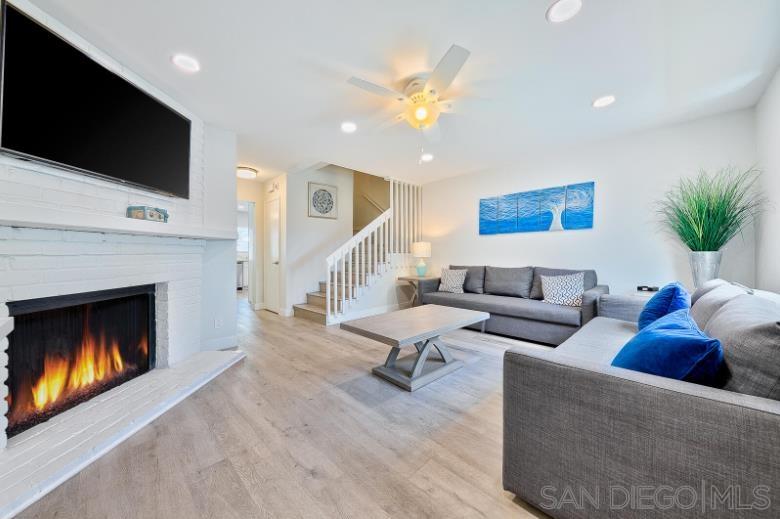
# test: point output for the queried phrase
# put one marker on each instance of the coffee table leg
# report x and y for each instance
(441, 347)
(421, 358)
(391, 357)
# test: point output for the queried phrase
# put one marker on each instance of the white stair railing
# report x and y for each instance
(384, 244)
(355, 266)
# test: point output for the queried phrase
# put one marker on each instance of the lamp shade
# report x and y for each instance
(421, 249)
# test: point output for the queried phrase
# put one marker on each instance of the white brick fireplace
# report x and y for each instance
(65, 233)
(37, 263)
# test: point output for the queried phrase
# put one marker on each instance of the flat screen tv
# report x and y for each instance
(61, 107)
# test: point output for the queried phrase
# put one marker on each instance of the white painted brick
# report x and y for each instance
(10, 278)
(4, 262)
(24, 191)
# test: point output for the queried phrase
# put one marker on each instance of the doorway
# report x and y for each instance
(271, 270)
(245, 252)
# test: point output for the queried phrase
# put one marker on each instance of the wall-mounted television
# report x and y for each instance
(61, 107)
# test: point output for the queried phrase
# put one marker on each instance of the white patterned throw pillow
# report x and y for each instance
(452, 281)
(564, 290)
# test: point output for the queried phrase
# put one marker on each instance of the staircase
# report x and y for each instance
(367, 258)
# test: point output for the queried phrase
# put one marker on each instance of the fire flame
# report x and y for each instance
(95, 361)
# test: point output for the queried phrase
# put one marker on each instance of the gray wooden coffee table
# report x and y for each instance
(420, 327)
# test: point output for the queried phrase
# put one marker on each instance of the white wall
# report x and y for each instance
(310, 240)
(768, 137)
(626, 246)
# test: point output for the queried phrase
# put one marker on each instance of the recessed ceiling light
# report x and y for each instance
(563, 10)
(348, 127)
(186, 63)
(603, 101)
(426, 157)
(246, 172)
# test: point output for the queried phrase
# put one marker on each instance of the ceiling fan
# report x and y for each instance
(422, 95)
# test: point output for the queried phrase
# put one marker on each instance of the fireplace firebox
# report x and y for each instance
(65, 350)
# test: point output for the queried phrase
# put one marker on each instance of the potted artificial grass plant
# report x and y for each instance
(707, 211)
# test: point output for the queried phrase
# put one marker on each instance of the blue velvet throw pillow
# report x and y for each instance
(674, 347)
(669, 299)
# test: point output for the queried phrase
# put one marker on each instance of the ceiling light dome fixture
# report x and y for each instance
(246, 172)
(348, 127)
(603, 101)
(186, 63)
(563, 10)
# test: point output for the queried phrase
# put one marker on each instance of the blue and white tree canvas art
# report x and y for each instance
(553, 209)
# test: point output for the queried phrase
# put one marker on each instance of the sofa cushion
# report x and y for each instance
(674, 347)
(591, 279)
(748, 326)
(709, 286)
(475, 278)
(598, 341)
(712, 301)
(508, 306)
(514, 282)
(669, 299)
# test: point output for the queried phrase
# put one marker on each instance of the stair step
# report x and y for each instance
(310, 312)
(318, 299)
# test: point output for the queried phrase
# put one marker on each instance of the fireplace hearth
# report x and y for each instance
(66, 350)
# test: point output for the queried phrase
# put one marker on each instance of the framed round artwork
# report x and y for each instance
(323, 201)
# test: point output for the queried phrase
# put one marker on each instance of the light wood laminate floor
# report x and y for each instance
(302, 429)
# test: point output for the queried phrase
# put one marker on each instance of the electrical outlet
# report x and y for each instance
(217, 322)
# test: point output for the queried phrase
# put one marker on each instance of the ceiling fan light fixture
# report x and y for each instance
(246, 172)
(563, 10)
(421, 113)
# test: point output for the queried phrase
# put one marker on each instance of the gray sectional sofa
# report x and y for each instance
(513, 297)
(573, 423)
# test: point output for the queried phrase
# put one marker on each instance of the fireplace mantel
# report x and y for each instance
(23, 215)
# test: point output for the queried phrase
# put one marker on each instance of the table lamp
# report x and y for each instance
(421, 249)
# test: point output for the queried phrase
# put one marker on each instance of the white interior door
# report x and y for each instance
(273, 234)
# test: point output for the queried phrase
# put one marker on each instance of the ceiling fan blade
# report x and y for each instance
(392, 121)
(444, 73)
(433, 132)
(379, 90)
(448, 106)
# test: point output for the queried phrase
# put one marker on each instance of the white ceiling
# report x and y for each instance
(276, 72)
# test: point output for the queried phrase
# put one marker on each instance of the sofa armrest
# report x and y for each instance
(590, 301)
(585, 427)
(426, 286)
(623, 307)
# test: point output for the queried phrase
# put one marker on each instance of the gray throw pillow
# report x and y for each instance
(515, 282)
(709, 303)
(475, 278)
(452, 281)
(709, 286)
(564, 290)
(748, 328)
(591, 280)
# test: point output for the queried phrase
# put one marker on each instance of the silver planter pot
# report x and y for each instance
(705, 266)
